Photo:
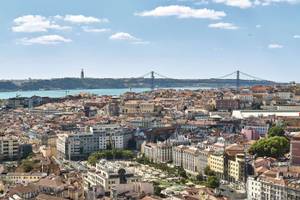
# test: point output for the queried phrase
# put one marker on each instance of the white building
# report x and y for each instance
(109, 174)
(192, 159)
(160, 152)
(266, 187)
(253, 189)
(242, 114)
(79, 145)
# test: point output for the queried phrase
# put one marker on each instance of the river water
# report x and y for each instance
(63, 93)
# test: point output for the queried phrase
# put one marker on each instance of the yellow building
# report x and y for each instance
(23, 178)
(236, 168)
(216, 162)
(134, 107)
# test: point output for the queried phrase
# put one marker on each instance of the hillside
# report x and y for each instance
(93, 83)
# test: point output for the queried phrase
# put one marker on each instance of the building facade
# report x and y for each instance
(76, 146)
(160, 152)
(9, 148)
(108, 175)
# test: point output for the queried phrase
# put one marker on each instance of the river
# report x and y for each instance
(63, 93)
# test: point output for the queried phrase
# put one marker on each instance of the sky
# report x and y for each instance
(128, 38)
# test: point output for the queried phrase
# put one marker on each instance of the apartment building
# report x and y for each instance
(145, 122)
(236, 168)
(192, 159)
(261, 129)
(160, 152)
(76, 146)
(266, 187)
(142, 107)
(108, 175)
(23, 178)
(216, 162)
(227, 104)
(235, 163)
(9, 148)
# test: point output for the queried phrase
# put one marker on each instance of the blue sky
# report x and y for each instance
(128, 38)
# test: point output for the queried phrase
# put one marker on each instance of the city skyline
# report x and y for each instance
(179, 38)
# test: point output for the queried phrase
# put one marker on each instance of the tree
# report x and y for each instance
(212, 182)
(199, 177)
(276, 131)
(92, 160)
(181, 172)
(27, 165)
(208, 171)
(109, 155)
(272, 147)
(157, 190)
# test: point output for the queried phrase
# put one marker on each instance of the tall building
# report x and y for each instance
(216, 162)
(192, 159)
(77, 146)
(160, 152)
(9, 148)
(269, 186)
(295, 150)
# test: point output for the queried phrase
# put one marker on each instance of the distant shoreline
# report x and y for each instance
(107, 83)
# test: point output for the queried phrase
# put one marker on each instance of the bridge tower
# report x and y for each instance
(238, 81)
(152, 80)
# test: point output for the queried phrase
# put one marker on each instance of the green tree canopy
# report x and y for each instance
(109, 155)
(212, 182)
(272, 147)
(276, 131)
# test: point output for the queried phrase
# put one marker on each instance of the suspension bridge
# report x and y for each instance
(236, 75)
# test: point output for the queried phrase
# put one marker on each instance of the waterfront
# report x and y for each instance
(63, 93)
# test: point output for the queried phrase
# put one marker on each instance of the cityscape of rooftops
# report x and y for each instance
(150, 100)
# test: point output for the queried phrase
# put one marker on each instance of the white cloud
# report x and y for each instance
(95, 30)
(182, 12)
(123, 36)
(81, 19)
(35, 23)
(44, 40)
(258, 26)
(201, 2)
(269, 2)
(236, 3)
(275, 46)
(296, 36)
(222, 25)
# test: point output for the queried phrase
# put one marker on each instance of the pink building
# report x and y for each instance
(250, 134)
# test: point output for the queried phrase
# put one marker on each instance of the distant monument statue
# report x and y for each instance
(82, 74)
